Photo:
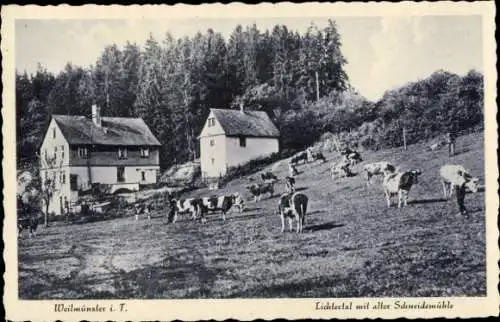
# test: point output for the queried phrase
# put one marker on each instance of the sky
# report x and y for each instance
(382, 52)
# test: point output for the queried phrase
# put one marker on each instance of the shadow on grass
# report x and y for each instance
(315, 212)
(324, 226)
(245, 217)
(425, 201)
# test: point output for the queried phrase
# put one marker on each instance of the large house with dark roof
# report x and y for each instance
(78, 152)
(234, 137)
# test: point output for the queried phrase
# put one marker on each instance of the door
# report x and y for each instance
(120, 174)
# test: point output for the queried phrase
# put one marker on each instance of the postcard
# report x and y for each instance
(250, 161)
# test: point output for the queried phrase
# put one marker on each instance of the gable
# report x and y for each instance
(212, 130)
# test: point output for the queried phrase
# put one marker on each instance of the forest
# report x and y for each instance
(298, 79)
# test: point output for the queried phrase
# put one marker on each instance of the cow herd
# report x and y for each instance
(292, 205)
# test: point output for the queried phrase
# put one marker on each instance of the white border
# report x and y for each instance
(246, 309)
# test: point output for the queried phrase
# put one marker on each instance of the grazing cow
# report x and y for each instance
(142, 209)
(456, 177)
(301, 156)
(184, 206)
(353, 158)
(293, 206)
(30, 223)
(268, 177)
(400, 183)
(377, 168)
(290, 184)
(292, 170)
(437, 145)
(258, 189)
(341, 169)
(221, 203)
(313, 156)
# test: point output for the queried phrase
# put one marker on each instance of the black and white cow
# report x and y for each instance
(268, 177)
(399, 183)
(258, 189)
(189, 206)
(313, 156)
(142, 208)
(293, 206)
(300, 156)
(222, 204)
(30, 224)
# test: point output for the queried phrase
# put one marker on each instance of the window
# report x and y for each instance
(143, 175)
(243, 141)
(211, 121)
(144, 152)
(55, 152)
(45, 154)
(122, 153)
(120, 174)
(82, 153)
(63, 177)
(54, 133)
(212, 142)
(62, 152)
(73, 181)
(213, 160)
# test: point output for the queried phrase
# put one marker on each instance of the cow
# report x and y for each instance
(290, 184)
(296, 158)
(456, 177)
(377, 168)
(222, 204)
(293, 206)
(341, 169)
(313, 156)
(292, 170)
(353, 158)
(190, 206)
(399, 183)
(268, 177)
(437, 145)
(142, 209)
(29, 223)
(258, 189)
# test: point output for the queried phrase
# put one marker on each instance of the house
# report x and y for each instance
(234, 137)
(78, 152)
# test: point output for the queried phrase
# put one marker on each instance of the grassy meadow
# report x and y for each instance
(352, 246)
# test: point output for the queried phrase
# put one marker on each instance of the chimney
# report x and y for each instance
(241, 108)
(96, 115)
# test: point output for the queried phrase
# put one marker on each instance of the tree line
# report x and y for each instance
(298, 79)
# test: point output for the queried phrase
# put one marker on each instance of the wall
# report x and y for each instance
(217, 152)
(47, 148)
(255, 147)
(108, 175)
(108, 156)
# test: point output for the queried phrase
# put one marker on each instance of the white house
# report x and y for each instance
(234, 137)
(78, 152)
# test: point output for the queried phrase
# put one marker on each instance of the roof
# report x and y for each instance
(247, 123)
(114, 131)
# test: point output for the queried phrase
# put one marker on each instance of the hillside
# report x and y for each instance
(353, 246)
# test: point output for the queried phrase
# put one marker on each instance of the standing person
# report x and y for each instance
(450, 139)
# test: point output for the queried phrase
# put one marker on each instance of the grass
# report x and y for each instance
(353, 245)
